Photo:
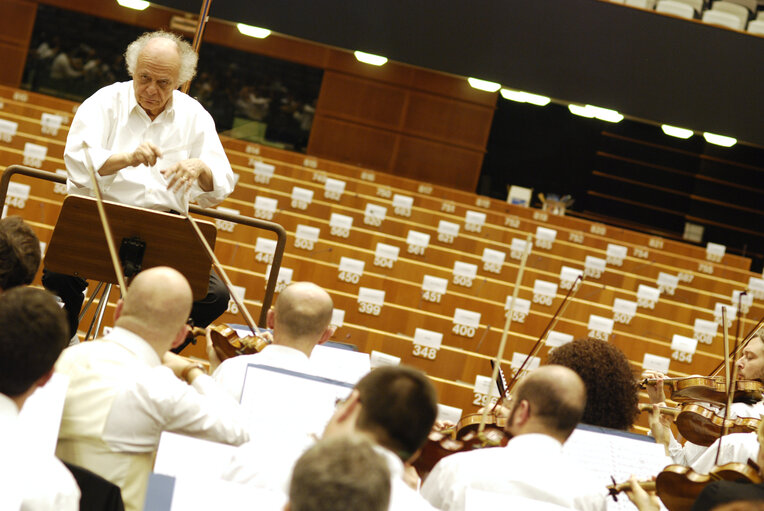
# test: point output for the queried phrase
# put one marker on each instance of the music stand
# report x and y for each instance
(78, 244)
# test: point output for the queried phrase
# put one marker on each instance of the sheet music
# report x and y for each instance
(179, 455)
(40, 418)
(338, 364)
(605, 452)
(272, 394)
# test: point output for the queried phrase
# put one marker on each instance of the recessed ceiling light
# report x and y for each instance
(370, 58)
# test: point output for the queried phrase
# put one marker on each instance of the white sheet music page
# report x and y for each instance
(272, 392)
(604, 453)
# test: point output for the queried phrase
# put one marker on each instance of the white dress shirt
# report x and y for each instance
(29, 481)
(402, 496)
(230, 374)
(530, 466)
(121, 398)
(111, 121)
(693, 455)
(268, 464)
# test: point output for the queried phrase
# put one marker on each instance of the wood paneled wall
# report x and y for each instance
(16, 23)
(409, 122)
(396, 118)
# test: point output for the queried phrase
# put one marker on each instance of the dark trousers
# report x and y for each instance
(70, 289)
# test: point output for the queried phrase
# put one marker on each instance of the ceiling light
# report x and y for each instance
(580, 110)
(370, 58)
(603, 114)
(249, 30)
(138, 5)
(484, 85)
(525, 97)
(719, 140)
(676, 132)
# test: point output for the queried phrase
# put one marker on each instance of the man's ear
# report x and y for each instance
(181, 336)
(328, 333)
(45, 378)
(522, 413)
(270, 318)
(118, 309)
(349, 407)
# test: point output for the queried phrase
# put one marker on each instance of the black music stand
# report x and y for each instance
(78, 246)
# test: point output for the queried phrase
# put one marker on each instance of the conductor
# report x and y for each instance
(151, 146)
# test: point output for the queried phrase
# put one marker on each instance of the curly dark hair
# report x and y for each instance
(19, 253)
(611, 389)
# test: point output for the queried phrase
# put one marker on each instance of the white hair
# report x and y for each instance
(188, 57)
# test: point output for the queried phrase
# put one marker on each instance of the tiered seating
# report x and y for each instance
(463, 355)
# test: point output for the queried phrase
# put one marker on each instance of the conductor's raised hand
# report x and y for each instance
(145, 154)
(182, 175)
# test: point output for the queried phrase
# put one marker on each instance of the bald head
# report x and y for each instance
(301, 315)
(156, 306)
(556, 398)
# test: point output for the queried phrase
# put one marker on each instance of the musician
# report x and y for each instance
(299, 320)
(32, 335)
(611, 395)
(19, 253)
(716, 492)
(546, 406)
(151, 146)
(395, 407)
(736, 447)
(125, 389)
(340, 473)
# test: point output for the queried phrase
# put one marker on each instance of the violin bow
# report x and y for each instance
(104, 221)
(201, 23)
(730, 382)
(552, 322)
(742, 345)
(507, 323)
(197, 42)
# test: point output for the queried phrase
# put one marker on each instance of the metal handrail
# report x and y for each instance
(280, 232)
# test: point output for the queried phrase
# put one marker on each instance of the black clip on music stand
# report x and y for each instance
(146, 238)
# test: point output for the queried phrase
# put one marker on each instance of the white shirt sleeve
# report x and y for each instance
(92, 124)
(438, 488)
(207, 147)
(736, 447)
(158, 401)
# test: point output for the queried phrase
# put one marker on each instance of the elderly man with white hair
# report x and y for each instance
(151, 146)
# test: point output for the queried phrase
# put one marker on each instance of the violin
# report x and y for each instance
(443, 443)
(228, 343)
(709, 389)
(701, 425)
(678, 486)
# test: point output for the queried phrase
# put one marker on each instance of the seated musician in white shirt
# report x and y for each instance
(340, 473)
(545, 409)
(395, 407)
(151, 146)
(126, 388)
(32, 335)
(737, 448)
(299, 319)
